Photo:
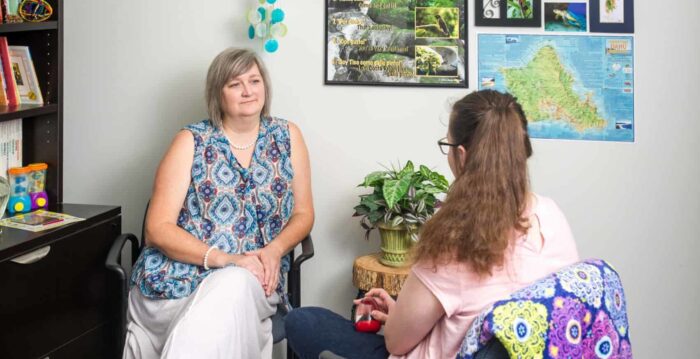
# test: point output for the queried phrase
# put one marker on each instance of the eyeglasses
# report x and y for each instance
(445, 146)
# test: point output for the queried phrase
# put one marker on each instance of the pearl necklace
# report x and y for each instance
(238, 147)
(242, 148)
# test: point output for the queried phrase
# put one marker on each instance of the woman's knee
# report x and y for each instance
(306, 320)
(233, 282)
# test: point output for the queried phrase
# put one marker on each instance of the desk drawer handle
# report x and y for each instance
(33, 257)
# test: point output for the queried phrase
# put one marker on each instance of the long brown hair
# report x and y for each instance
(487, 200)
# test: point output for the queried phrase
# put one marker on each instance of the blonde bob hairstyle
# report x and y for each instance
(227, 65)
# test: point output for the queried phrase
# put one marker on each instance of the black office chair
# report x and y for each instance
(493, 350)
(114, 263)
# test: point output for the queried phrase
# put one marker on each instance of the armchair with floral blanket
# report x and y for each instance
(577, 312)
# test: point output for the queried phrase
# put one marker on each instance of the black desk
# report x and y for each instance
(59, 306)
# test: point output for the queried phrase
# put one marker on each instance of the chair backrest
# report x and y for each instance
(143, 225)
(579, 311)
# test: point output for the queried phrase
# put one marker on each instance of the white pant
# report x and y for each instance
(228, 316)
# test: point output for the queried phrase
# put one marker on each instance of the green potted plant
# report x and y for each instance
(401, 201)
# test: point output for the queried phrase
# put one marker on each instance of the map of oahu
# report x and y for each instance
(570, 87)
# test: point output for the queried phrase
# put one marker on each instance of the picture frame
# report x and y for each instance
(421, 43)
(10, 11)
(565, 17)
(617, 20)
(25, 75)
(508, 13)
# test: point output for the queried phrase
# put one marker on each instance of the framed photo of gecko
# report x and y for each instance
(612, 16)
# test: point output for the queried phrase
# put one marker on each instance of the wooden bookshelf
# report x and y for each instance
(26, 111)
(61, 303)
(42, 125)
(28, 26)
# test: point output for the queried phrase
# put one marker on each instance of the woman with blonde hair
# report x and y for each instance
(232, 197)
(491, 237)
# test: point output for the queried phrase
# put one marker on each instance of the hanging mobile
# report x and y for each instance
(35, 10)
(265, 22)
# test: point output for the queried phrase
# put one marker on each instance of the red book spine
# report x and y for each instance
(11, 92)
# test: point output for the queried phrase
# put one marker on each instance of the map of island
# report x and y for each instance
(545, 91)
(570, 87)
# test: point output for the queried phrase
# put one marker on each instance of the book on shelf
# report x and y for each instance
(10, 82)
(10, 145)
(3, 93)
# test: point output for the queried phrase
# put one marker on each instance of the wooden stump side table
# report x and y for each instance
(368, 273)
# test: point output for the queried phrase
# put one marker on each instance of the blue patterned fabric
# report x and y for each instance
(234, 208)
(578, 312)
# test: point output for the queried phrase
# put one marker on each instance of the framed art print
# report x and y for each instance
(565, 16)
(612, 16)
(508, 13)
(25, 75)
(396, 43)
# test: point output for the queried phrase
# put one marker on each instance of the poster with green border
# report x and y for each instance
(396, 43)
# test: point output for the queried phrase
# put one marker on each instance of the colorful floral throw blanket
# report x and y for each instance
(577, 312)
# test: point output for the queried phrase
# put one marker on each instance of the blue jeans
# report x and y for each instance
(312, 330)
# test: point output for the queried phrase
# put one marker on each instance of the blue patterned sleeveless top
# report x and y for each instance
(234, 208)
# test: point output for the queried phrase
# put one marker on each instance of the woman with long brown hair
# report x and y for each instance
(491, 237)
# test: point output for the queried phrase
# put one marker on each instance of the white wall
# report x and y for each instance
(134, 75)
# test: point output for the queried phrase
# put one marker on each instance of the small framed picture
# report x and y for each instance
(25, 75)
(508, 13)
(612, 16)
(565, 16)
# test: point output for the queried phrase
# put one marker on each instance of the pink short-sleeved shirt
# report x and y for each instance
(547, 246)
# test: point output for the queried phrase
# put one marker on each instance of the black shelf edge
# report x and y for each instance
(28, 26)
(21, 111)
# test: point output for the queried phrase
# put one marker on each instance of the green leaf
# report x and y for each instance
(439, 180)
(361, 210)
(373, 179)
(430, 202)
(425, 172)
(394, 190)
(407, 170)
(370, 201)
(374, 217)
(433, 190)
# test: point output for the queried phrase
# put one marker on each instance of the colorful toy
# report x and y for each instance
(37, 182)
(27, 188)
(19, 195)
(35, 10)
(363, 316)
(265, 22)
